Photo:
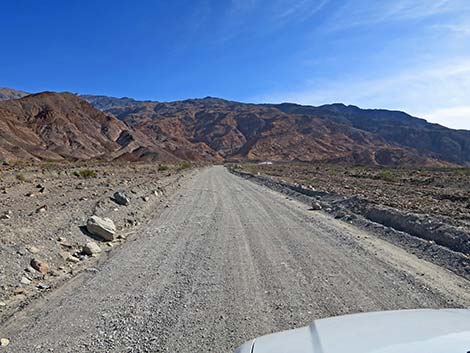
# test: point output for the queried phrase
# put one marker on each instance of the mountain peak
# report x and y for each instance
(9, 93)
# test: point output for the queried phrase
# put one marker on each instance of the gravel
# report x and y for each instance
(57, 234)
(227, 261)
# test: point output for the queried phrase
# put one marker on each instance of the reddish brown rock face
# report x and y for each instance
(222, 130)
(57, 126)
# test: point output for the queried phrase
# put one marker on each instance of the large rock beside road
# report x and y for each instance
(102, 227)
(121, 198)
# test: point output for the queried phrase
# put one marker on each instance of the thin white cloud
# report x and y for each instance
(272, 14)
(295, 10)
(362, 13)
(439, 93)
(419, 73)
(462, 29)
(263, 17)
(456, 117)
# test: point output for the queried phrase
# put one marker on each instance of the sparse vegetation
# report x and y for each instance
(247, 168)
(85, 173)
(387, 175)
(40, 196)
(162, 168)
(184, 165)
(21, 177)
(49, 165)
(442, 192)
(463, 171)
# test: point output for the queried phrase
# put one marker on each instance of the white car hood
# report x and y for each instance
(407, 331)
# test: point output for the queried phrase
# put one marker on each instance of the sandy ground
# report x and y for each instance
(228, 260)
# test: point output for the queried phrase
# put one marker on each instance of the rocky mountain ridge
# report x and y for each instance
(8, 93)
(57, 126)
(334, 132)
(213, 129)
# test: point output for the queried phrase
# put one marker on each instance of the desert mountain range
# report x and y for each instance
(58, 126)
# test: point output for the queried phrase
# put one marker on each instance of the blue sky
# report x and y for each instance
(411, 55)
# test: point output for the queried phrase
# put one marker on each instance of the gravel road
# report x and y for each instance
(228, 260)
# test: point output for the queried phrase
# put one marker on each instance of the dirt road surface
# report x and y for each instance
(228, 260)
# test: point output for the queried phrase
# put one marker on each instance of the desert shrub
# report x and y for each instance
(85, 173)
(332, 171)
(21, 177)
(463, 171)
(162, 168)
(49, 165)
(250, 169)
(185, 165)
(386, 175)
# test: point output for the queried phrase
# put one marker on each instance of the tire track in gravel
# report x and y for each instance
(349, 244)
(228, 260)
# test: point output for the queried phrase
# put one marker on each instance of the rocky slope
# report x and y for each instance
(8, 93)
(232, 130)
(56, 126)
(44, 212)
(397, 128)
(64, 126)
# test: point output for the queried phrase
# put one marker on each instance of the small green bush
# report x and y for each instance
(85, 173)
(185, 165)
(162, 168)
(463, 171)
(49, 165)
(21, 177)
(387, 175)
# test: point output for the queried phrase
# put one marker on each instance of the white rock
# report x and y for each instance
(25, 280)
(42, 286)
(41, 209)
(91, 248)
(4, 342)
(102, 227)
(73, 259)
